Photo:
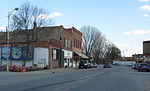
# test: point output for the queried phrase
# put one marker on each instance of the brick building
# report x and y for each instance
(64, 45)
(67, 38)
(146, 50)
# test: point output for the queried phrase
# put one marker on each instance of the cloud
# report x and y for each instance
(2, 28)
(146, 15)
(143, 0)
(145, 8)
(137, 32)
(53, 15)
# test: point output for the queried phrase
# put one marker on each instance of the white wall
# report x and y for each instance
(124, 62)
(41, 57)
(67, 54)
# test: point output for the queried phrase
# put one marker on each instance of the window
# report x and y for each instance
(68, 43)
(77, 43)
(71, 45)
(54, 54)
(80, 45)
(74, 42)
(64, 43)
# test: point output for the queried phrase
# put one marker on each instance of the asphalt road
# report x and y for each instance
(117, 78)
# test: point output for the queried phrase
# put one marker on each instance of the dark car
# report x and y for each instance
(143, 67)
(107, 65)
(94, 65)
(116, 64)
(135, 66)
(91, 65)
(83, 64)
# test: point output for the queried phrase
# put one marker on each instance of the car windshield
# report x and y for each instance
(143, 64)
(107, 63)
(94, 63)
(85, 61)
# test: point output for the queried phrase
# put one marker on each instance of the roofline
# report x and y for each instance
(146, 41)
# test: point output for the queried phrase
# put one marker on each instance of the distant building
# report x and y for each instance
(125, 61)
(146, 50)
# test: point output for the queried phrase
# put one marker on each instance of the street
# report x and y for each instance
(117, 78)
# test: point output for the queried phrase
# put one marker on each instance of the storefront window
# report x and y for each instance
(54, 54)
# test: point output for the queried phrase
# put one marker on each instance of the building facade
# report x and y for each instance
(63, 46)
(146, 50)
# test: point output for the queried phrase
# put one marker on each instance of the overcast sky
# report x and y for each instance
(126, 23)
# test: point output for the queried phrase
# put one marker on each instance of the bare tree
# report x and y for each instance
(94, 44)
(30, 18)
(112, 53)
(90, 36)
(100, 49)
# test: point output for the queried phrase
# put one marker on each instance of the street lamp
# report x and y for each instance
(9, 14)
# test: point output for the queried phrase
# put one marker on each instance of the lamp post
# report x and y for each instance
(9, 14)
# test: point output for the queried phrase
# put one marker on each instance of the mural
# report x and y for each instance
(4, 52)
(17, 53)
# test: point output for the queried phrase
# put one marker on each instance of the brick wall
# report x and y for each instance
(146, 47)
(43, 34)
(67, 39)
(77, 41)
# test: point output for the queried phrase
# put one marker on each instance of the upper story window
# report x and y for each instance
(74, 42)
(80, 45)
(68, 43)
(64, 43)
(71, 45)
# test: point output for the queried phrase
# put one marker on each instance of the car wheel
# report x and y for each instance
(138, 70)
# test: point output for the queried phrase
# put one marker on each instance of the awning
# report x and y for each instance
(81, 55)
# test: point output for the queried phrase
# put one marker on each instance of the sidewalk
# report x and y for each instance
(58, 70)
(48, 71)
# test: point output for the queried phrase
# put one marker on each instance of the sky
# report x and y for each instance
(126, 23)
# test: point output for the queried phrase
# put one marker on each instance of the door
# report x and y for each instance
(62, 59)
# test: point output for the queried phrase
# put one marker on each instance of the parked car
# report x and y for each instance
(107, 65)
(83, 64)
(116, 64)
(143, 66)
(94, 65)
(135, 66)
(91, 65)
(130, 65)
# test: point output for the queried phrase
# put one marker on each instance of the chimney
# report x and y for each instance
(35, 25)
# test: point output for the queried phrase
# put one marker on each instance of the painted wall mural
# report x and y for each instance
(17, 53)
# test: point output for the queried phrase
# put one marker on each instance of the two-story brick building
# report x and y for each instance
(63, 45)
